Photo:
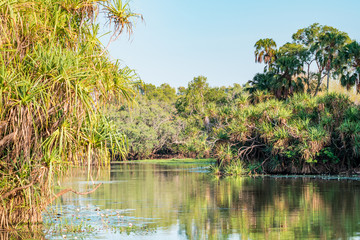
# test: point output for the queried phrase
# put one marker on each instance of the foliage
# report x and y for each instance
(150, 125)
(290, 68)
(264, 51)
(298, 135)
(54, 78)
(259, 133)
(348, 64)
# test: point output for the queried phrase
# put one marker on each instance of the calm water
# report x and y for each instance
(149, 201)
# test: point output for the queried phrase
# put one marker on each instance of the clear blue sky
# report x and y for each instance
(181, 39)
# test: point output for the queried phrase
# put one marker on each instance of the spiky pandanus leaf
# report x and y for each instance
(54, 79)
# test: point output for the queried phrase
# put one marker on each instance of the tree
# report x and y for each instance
(286, 69)
(192, 100)
(322, 44)
(262, 82)
(54, 78)
(163, 93)
(328, 47)
(265, 51)
(317, 40)
(310, 35)
(283, 67)
(349, 65)
(304, 55)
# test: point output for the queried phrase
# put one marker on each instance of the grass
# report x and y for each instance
(232, 169)
(335, 86)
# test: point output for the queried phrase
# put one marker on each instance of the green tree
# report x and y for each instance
(349, 65)
(262, 82)
(265, 51)
(55, 76)
(150, 127)
(281, 75)
(193, 99)
(305, 57)
(328, 48)
(322, 44)
(287, 67)
(163, 93)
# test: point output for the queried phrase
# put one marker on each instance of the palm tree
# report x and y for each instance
(265, 51)
(322, 43)
(349, 65)
(328, 47)
(262, 82)
(286, 69)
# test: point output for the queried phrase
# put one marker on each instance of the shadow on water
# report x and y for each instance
(150, 201)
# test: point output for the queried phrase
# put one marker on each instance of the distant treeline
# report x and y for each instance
(302, 134)
(275, 123)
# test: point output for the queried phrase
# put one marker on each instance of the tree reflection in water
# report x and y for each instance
(204, 207)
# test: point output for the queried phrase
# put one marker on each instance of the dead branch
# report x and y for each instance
(15, 190)
(250, 148)
(72, 190)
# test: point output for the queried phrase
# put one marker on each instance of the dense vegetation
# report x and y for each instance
(302, 134)
(54, 77)
(276, 123)
(163, 124)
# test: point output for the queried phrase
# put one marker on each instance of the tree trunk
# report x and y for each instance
(328, 80)
(318, 85)
(308, 80)
(328, 74)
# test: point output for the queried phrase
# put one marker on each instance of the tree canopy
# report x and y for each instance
(316, 52)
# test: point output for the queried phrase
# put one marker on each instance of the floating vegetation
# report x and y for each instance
(87, 222)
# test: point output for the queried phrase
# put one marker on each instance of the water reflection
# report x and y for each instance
(180, 202)
(24, 232)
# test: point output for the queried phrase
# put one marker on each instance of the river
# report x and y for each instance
(182, 201)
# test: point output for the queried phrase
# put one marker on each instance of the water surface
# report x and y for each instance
(152, 201)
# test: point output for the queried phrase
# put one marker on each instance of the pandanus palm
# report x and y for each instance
(121, 17)
(54, 79)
